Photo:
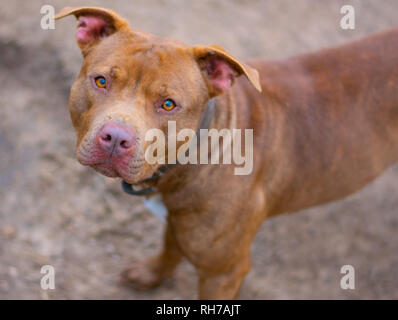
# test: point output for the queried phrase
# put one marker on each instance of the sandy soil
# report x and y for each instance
(54, 211)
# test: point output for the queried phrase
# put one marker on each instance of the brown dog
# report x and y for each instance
(325, 125)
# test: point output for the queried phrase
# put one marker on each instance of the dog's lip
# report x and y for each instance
(111, 167)
(108, 166)
(112, 170)
(91, 162)
(107, 171)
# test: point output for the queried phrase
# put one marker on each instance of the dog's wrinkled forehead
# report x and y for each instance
(145, 62)
(126, 48)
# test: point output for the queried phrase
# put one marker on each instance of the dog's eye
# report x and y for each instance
(168, 105)
(100, 82)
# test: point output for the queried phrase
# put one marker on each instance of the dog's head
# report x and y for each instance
(131, 82)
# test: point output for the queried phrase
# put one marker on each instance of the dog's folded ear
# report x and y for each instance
(220, 69)
(93, 24)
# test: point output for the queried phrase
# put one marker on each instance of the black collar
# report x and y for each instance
(128, 187)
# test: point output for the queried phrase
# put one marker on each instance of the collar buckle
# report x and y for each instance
(129, 189)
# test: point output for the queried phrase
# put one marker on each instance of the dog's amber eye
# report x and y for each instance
(100, 82)
(168, 105)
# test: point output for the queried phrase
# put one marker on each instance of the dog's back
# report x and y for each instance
(331, 120)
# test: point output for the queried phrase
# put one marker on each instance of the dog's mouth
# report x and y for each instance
(106, 169)
(130, 172)
(113, 158)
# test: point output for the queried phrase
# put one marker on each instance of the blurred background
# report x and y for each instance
(54, 211)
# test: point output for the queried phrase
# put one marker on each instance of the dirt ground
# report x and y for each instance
(54, 211)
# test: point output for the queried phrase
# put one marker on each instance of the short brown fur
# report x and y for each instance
(325, 125)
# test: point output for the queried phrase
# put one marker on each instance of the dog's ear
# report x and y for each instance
(93, 24)
(220, 69)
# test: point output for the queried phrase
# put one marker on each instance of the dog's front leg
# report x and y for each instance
(223, 284)
(150, 272)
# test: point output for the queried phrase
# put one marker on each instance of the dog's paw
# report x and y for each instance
(140, 275)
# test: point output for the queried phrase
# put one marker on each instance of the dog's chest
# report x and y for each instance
(156, 206)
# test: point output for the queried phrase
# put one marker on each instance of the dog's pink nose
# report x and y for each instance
(115, 139)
